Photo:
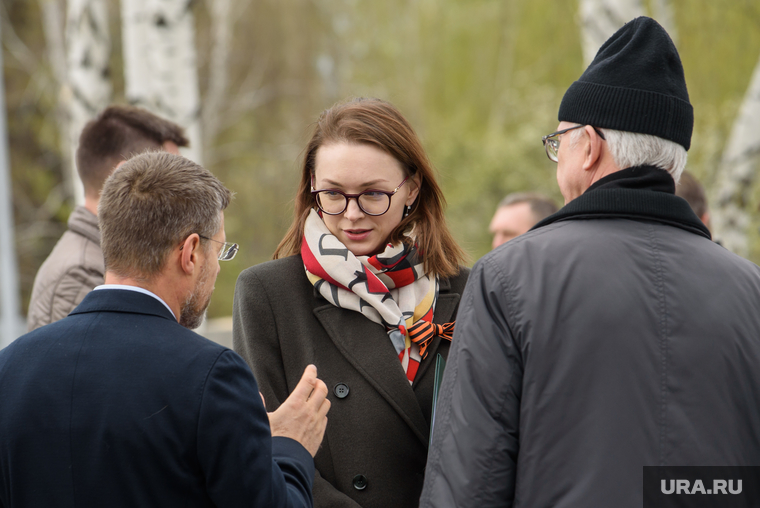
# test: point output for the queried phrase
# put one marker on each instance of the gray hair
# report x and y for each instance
(630, 149)
(150, 205)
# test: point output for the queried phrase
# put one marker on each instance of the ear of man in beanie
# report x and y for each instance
(636, 84)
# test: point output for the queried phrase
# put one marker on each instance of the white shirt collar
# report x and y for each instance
(136, 289)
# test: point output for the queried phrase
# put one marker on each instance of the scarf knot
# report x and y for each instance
(422, 333)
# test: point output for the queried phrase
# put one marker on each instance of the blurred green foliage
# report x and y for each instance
(480, 80)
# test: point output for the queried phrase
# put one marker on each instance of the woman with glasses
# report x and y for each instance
(365, 285)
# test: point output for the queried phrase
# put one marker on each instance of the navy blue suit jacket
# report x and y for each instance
(119, 405)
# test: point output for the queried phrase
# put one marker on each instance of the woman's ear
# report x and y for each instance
(414, 184)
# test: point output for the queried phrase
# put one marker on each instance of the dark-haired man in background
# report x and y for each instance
(75, 265)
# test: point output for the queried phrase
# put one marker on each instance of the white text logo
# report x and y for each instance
(685, 487)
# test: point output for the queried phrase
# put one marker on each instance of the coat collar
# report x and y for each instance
(85, 223)
(120, 300)
(637, 194)
(366, 346)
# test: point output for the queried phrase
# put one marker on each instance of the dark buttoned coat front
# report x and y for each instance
(374, 450)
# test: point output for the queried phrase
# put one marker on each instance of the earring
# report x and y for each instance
(407, 209)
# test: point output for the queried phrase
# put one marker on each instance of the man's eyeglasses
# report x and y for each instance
(551, 141)
(228, 249)
(371, 202)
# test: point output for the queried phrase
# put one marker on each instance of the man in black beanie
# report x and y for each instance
(612, 336)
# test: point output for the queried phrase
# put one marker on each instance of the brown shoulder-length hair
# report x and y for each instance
(379, 123)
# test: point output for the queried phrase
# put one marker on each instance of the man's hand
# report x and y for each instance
(303, 415)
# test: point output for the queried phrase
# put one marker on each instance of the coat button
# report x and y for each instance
(341, 391)
(360, 482)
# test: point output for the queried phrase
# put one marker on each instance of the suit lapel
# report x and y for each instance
(367, 347)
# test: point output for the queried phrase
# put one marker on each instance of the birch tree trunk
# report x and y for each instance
(600, 19)
(88, 49)
(160, 68)
(738, 172)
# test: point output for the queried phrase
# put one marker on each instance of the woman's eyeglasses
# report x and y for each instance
(371, 202)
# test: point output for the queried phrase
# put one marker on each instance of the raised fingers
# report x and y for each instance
(306, 385)
(319, 395)
(324, 408)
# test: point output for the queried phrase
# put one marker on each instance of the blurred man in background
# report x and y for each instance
(692, 191)
(75, 265)
(517, 213)
(119, 404)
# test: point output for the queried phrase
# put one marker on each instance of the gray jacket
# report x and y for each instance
(614, 336)
(73, 269)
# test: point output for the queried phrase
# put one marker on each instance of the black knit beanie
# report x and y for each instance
(635, 84)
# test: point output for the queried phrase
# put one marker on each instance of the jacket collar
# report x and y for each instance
(366, 346)
(638, 193)
(120, 300)
(647, 178)
(85, 223)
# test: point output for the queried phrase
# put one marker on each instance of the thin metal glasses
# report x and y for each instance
(228, 249)
(551, 141)
(371, 201)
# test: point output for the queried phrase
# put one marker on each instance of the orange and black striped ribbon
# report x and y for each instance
(423, 332)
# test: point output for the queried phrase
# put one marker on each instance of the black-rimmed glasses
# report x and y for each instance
(551, 141)
(371, 201)
(228, 249)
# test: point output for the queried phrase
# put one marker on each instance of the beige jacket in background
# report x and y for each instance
(73, 269)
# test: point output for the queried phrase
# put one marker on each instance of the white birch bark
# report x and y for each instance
(88, 49)
(737, 173)
(160, 68)
(599, 19)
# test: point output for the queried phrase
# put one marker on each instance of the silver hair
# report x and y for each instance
(630, 149)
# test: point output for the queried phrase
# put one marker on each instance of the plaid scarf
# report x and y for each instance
(390, 288)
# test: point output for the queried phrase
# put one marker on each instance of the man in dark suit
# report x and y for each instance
(120, 404)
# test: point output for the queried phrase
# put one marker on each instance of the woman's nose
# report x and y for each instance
(353, 212)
